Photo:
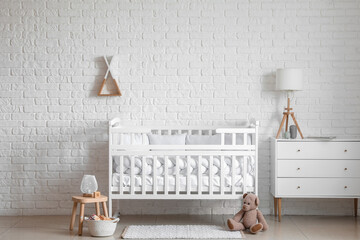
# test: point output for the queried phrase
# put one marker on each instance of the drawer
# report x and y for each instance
(318, 186)
(318, 150)
(318, 168)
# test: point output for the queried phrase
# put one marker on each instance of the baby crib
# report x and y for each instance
(203, 162)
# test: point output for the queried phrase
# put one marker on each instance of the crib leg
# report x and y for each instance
(118, 208)
(110, 207)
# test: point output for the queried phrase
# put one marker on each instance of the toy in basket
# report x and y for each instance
(101, 226)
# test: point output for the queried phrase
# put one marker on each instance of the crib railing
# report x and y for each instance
(187, 191)
(144, 148)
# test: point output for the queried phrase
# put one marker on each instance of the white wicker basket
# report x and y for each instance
(102, 228)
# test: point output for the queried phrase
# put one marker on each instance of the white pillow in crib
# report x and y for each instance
(139, 139)
(178, 139)
(203, 139)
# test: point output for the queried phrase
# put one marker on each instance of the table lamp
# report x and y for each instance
(289, 80)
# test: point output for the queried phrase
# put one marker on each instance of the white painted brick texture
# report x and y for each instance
(182, 62)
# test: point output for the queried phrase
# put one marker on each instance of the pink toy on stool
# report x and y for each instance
(249, 217)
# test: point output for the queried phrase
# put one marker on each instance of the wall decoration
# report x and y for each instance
(112, 68)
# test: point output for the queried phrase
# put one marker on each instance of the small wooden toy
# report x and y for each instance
(92, 195)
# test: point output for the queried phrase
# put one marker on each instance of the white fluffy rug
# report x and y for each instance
(179, 232)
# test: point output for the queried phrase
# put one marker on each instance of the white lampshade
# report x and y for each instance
(289, 79)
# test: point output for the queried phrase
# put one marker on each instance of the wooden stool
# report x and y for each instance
(83, 200)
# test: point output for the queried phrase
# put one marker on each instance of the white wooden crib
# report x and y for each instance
(222, 171)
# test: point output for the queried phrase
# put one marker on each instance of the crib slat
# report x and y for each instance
(244, 173)
(154, 175)
(132, 140)
(121, 142)
(211, 166)
(233, 142)
(188, 180)
(177, 186)
(132, 175)
(245, 138)
(222, 138)
(222, 169)
(121, 177)
(115, 139)
(233, 175)
(166, 175)
(144, 139)
(143, 171)
(199, 175)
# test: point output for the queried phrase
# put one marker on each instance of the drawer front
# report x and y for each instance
(318, 150)
(318, 187)
(318, 168)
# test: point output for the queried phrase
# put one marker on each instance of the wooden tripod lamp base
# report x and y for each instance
(286, 118)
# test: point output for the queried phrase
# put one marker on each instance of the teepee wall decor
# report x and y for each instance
(111, 68)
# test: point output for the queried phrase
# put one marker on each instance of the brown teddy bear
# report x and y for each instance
(249, 217)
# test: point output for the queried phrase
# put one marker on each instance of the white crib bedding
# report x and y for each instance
(233, 166)
(183, 181)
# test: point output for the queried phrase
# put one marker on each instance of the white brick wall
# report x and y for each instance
(183, 62)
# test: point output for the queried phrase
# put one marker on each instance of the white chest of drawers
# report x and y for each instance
(304, 168)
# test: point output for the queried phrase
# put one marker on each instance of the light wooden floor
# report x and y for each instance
(291, 227)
